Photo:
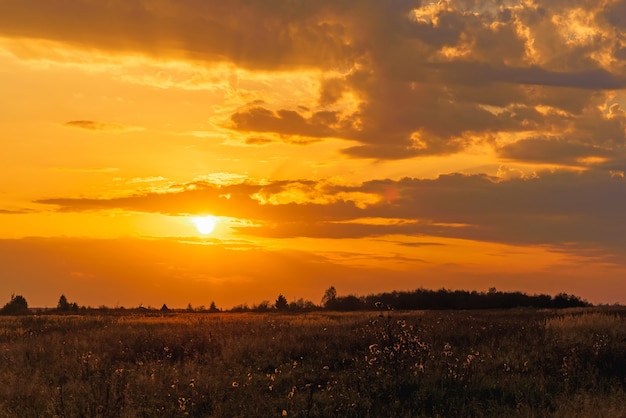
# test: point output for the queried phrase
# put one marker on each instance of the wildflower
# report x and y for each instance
(235, 384)
(284, 413)
(326, 368)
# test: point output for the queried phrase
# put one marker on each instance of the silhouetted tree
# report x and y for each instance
(164, 308)
(240, 308)
(348, 303)
(329, 298)
(264, 306)
(17, 306)
(281, 303)
(213, 307)
(462, 299)
(63, 304)
(301, 305)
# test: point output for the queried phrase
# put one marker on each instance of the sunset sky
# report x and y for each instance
(373, 145)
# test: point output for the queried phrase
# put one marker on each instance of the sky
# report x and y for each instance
(370, 145)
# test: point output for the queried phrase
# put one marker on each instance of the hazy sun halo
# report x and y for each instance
(204, 224)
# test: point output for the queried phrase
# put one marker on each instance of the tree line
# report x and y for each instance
(419, 299)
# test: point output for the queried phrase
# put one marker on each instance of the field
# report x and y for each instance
(525, 363)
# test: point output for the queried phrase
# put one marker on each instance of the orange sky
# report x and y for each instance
(366, 144)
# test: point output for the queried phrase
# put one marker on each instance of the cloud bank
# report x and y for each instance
(553, 208)
(425, 78)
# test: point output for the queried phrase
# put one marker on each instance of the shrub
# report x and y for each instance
(17, 306)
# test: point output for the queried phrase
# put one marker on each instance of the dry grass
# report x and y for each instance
(472, 364)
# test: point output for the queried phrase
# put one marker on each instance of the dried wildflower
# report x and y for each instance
(235, 384)
(374, 349)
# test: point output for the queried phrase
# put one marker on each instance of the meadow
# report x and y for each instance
(491, 363)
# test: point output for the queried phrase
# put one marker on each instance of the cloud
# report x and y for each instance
(287, 122)
(422, 78)
(551, 208)
(248, 33)
(465, 72)
(91, 125)
(15, 211)
(553, 151)
(258, 140)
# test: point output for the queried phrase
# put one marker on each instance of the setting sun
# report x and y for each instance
(204, 224)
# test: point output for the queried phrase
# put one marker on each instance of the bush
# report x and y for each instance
(17, 306)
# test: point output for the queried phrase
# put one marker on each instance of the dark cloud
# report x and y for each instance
(418, 244)
(248, 33)
(615, 14)
(552, 208)
(468, 72)
(258, 140)
(287, 122)
(422, 72)
(551, 151)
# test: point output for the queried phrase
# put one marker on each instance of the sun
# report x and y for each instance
(204, 224)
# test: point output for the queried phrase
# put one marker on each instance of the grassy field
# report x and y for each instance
(525, 363)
